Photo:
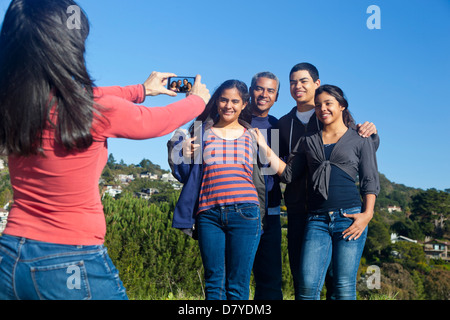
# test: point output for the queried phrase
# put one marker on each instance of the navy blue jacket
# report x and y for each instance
(273, 183)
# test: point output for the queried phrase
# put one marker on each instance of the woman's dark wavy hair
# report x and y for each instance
(211, 114)
(42, 66)
(338, 94)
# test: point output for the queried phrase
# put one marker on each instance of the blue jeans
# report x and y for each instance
(228, 238)
(267, 268)
(34, 270)
(323, 244)
(297, 218)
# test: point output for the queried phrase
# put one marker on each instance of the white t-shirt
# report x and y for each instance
(305, 116)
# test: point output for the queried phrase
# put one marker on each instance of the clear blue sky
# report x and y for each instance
(396, 77)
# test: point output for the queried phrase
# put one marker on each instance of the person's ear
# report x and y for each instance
(317, 83)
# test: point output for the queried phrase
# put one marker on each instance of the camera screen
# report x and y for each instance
(180, 84)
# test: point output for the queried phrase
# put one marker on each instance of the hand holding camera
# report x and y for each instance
(169, 84)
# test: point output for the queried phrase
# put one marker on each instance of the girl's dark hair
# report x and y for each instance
(338, 94)
(211, 114)
(43, 72)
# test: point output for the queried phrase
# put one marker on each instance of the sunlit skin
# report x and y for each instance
(229, 107)
(330, 113)
(264, 94)
(303, 88)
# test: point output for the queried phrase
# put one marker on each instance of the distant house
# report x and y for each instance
(148, 175)
(125, 178)
(176, 185)
(113, 190)
(143, 195)
(394, 209)
(144, 175)
(436, 249)
(3, 219)
(396, 238)
(168, 177)
(150, 191)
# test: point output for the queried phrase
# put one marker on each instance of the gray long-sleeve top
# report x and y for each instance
(352, 154)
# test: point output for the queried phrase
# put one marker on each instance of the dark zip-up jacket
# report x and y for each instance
(291, 129)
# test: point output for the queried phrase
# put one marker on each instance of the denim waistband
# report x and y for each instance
(235, 206)
(341, 211)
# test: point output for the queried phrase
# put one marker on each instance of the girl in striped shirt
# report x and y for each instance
(228, 212)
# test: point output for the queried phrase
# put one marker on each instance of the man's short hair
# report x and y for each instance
(313, 72)
(265, 74)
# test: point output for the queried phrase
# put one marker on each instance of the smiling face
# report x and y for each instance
(328, 109)
(303, 87)
(264, 95)
(229, 106)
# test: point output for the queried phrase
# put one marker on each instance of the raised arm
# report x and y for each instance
(127, 120)
(289, 171)
(134, 93)
(130, 121)
(154, 85)
(276, 164)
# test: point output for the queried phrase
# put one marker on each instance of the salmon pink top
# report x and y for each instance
(56, 196)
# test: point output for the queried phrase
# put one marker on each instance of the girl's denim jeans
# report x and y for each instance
(228, 238)
(323, 244)
(34, 270)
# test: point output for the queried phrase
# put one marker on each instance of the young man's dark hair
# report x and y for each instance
(308, 67)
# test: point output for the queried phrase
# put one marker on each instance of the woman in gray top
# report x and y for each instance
(338, 212)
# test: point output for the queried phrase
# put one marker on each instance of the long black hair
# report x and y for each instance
(338, 94)
(211, 113)
(43, 71)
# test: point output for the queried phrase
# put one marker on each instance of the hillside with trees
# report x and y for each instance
(407, 240)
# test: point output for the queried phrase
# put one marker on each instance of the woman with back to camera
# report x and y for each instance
(223, 193)
(54, 126)
(336, 229)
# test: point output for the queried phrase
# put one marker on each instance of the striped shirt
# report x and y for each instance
(227, 171)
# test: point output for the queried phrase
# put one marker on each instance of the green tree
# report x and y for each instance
(410, 255)
(437, 284)
(408, 228)
(378, 238)
(153, 258)
(111, 163)
(429, 206)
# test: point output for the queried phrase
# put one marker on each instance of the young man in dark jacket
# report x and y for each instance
(303, 82)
